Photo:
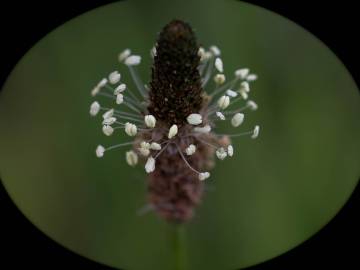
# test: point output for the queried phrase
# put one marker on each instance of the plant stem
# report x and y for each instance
(180, 247)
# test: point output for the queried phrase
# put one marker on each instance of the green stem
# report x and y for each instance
(180, 247)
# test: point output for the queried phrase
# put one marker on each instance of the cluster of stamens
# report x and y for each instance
(129, 112)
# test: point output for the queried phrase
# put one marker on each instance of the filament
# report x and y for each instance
(135, 101)
(186, 162)
(205, 142)
(236, 111)
(208, 73)
(202, 67)
(230, 84)
(122, 112)
(237, 134)
(118, 145)
(137, 80)
(158, 154)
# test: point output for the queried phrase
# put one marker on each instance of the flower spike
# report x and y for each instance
(173, 120)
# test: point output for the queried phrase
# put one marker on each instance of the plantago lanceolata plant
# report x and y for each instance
(173, 119)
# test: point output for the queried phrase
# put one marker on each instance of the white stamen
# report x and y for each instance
(162, 150)
(219, 65)
(108, 130)
(243, 94)
(144, 148)
(94, 108)
(131, 158)
(194, 119)
(208, 72)
(231, 93)
(144, 152)
(119, 99)
(221, 153)
(150, 165)
(150, 121)
(130, 129)
(201, 53)
(108, 114)
(242, 73)
(100, 151)
(204, 129)
(137, 80)
(207, 143)
(219, 79)
(244, 86)
(207, 55)
(105, 95)
(190, 149)
(114, 77)
(173, 131)
(184, 159)
(145, 145)
(118, 145)
(155, 146)
(127, 117)
(124, 54)
(223, 102)
(255, 132)
(121, 88)
(153, 52)
(237, 119)
(252, 105)
(133, 60)
(215, 50)
(251, 77)
(203, 176)
(230, 150)
(95, 91)
(102, 83)
(109, 121)
(220, 115)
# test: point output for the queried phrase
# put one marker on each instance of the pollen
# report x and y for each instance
(150, 121)
(194, 119)
(173, 131)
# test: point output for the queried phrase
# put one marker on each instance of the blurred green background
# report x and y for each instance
(272, 195)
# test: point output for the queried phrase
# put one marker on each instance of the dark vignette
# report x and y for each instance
(24, 23)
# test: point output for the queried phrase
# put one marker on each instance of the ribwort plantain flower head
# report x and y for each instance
(172, 122)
